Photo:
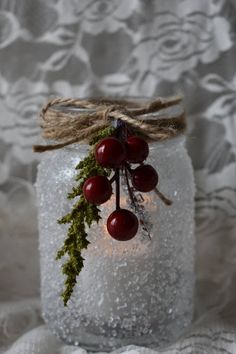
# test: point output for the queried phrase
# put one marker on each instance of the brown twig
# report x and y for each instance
(165, 200)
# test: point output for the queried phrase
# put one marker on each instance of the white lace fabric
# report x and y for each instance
(79, 48)
(22, 332)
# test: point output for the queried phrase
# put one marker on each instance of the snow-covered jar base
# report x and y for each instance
(135, 292)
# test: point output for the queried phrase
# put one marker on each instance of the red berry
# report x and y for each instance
(137, 149)
(144, 178)
(122, 225)
(110, 152)
(97, 189)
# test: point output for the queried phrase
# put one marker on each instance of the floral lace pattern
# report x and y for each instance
(117, 47)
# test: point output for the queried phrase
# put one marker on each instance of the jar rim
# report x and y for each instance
(131, 102)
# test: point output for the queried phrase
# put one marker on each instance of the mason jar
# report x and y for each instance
(134, 292)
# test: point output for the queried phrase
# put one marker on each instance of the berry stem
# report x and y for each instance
(134, 201)
(128, 187)
(117, 180)
(112, 180)
(127, 167)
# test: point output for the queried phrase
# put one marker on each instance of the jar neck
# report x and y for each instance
(169, 144)
(176, 142)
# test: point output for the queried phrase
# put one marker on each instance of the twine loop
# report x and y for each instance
(66, 128)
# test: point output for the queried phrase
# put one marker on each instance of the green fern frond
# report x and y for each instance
(81, 217)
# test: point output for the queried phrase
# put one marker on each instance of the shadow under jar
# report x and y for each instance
(135, 292)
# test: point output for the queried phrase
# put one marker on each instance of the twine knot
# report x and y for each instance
(67, 127)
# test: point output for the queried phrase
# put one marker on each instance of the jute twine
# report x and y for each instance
(66, 128)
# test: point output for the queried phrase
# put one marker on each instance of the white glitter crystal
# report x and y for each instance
(136, 292)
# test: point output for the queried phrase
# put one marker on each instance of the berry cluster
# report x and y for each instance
(114, 153)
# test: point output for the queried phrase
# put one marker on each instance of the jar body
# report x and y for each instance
(135, 292)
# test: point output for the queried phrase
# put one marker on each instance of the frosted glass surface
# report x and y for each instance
(135, 292)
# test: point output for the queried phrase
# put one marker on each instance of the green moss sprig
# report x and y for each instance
(81, 217)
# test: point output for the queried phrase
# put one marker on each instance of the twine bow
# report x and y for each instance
(68, 128)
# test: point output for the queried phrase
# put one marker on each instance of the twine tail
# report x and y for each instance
(40, 148)
(43, 148)
(164, 199)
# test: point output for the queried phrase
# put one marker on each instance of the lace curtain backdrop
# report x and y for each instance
(131, 48)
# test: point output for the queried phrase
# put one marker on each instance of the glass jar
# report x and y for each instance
(135, 292)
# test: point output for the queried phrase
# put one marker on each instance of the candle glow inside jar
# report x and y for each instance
(139, 291)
